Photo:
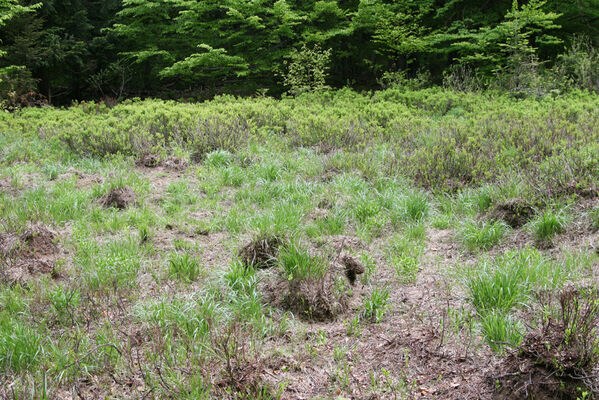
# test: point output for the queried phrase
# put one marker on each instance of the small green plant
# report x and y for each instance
(369, 267)
(65, 302)
(484, 235)
(406, 268)
(416, 206)
(375, 306)
(548, 224)
(184, 266)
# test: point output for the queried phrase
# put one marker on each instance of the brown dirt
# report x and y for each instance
(514, 212)
(315, 300)
(175, 164)
(83, 179)
(575, 189)
(352, 268)
(6, 186)
(148, 160)
(120, 198)
(261, 252)
(33, 252)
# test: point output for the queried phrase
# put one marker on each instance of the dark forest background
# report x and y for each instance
(57, 51)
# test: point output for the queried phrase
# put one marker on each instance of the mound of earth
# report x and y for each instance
(514, 212)
(149, 160)
(176, 164)
(120, 198)
(557, 360)
(315, 299)
(311, 299)
(32, 252)
(261, 252)
(38, 240)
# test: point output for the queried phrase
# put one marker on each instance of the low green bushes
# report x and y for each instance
(440, 139)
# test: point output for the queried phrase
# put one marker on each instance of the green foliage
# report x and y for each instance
(500, 330)
(184, 266)
(298, 264)
(483, 235)
(174, 48)
(375, 306)
(20, 347)
(548, 224)
(307, 69)
(505, 282)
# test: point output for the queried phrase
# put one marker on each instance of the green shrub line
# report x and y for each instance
(439, 138)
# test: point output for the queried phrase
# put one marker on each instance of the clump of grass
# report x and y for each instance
(502, 283)
(298, 264)
(416, 206)
(594, 215)
(483, 235)
(406, 268)
(219, 158)
(500, 330)
(375, 306)
(404, 255)
(547, 225)
(184, 266)
(365, 208)
(20, 347)
(413, 208)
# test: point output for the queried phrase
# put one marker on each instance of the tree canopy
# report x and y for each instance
(81, 49)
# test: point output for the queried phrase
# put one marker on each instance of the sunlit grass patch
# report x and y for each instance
(482, 235)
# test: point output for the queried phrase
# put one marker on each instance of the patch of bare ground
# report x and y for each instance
(6, 186)
(170, 163)
(424, 346)
(83, 180)
(25, 181)
(33, 252)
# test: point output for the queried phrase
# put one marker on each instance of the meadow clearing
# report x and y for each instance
(338, 245)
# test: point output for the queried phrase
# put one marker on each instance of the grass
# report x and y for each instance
(501, 330)
(298, 264)
(375, 306)
(184, 266)
(482, 235)
(20, 347)
(155, 293)
(548, 224)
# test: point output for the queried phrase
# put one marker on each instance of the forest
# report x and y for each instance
(57, 51)
(292, 200)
